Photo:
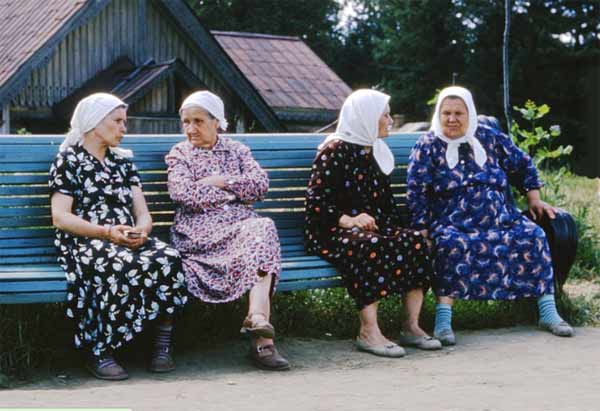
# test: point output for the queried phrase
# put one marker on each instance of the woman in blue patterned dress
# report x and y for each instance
(484, 248)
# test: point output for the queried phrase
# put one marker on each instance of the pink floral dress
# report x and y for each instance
(225, 245)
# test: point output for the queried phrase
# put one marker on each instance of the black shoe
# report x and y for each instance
(104, 367)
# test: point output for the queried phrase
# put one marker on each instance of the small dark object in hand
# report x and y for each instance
(133, 234)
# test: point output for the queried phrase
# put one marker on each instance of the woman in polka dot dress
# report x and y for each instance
(352, 221)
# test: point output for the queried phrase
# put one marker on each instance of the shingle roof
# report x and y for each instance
(26, 25)
(285, 71)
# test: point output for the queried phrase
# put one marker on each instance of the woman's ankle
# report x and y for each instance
(413, 329)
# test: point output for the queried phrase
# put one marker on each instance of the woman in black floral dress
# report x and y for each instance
(119, 278)
(352, 221)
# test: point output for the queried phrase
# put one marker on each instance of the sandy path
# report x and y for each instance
(507, 369)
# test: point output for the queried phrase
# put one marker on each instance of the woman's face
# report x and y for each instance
(200, 129)
(385, 123)
(111, 129)
(454, 117)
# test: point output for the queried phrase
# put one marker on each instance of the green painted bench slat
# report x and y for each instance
(33, 286)
(33, 298)
(308, 285)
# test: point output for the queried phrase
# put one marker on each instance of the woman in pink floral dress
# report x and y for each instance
(226, 247)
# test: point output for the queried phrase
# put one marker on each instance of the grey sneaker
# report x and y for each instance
(446, 337)
(422, 342)
(561, 329)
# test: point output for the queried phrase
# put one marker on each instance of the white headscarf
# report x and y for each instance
(469, 137)
(90, 111)
(359, 124)
(209, 102)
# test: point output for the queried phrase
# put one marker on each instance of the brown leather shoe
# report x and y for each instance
(105, 367)
(258, 327)
(266, 357)
(161, 361)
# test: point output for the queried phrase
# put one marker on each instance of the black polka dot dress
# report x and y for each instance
(346, 179)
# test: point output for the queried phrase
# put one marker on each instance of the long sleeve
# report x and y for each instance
(322, 209)
(253, 182)
(419, 181)
(517, 164)
(185, 190)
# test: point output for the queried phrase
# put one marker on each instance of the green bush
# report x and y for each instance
(549, 158)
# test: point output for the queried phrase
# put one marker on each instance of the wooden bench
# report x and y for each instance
(29, 272)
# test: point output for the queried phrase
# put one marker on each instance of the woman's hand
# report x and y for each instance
(537, 207)
(118, 234)
(139, 235)
(363, 221)
(214, 180)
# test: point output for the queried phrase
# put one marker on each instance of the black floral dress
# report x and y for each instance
(113, 291)
(347, 180)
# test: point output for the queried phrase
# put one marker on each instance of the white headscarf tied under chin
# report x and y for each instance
(359, 124)
(469, 137)
(90, 111)
(209, 102)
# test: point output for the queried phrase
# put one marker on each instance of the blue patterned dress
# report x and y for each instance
(484, 248)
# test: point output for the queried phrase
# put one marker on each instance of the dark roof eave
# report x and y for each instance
(306, 115)
(173, 67)
(254, 35)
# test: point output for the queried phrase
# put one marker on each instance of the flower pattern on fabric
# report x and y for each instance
(484, 248)
(112, 290)
(225, 245)
(346, 179)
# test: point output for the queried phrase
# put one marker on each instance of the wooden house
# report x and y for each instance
(150, 53)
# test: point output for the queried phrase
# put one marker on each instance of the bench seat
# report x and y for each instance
(34, 283)
(29, 272)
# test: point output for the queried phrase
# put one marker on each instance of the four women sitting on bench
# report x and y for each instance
(121, 280)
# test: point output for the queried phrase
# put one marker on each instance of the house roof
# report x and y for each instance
(26, 25)
(285, 71)
(31, 29)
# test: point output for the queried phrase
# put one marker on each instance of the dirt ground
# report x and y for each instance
(507, 369)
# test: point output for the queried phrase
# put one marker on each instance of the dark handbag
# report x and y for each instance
(561, 233)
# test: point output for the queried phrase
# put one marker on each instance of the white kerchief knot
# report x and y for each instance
(90, 111)
(469, 137)
(359, 124)
(209, 102)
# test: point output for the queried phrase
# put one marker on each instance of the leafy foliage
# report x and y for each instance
(536, 140)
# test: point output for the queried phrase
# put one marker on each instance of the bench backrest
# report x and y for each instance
(26, 233)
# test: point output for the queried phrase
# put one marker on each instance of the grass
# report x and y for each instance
(579, 196)
(38, 337)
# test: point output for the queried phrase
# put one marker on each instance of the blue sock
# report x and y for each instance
(443, 318)
(547, 308)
